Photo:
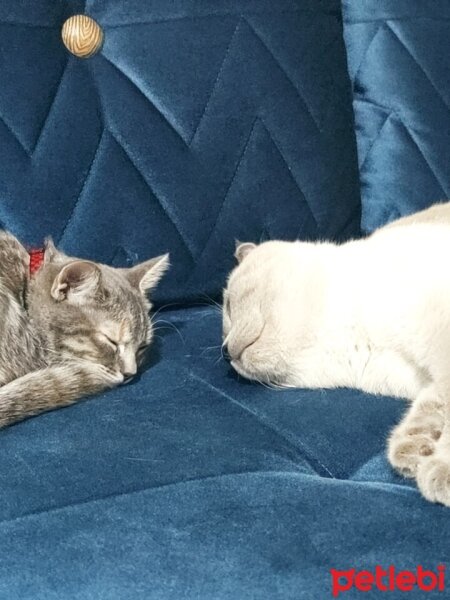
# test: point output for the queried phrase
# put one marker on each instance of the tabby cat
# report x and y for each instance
(71, 329)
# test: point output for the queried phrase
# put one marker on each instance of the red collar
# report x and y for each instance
(36, 259)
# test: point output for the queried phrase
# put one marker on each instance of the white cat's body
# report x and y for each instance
(358, 315)
(371, 314)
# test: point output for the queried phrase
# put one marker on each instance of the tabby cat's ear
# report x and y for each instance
(77, 281)
(147, 275)
(243, 249)
(51, 252)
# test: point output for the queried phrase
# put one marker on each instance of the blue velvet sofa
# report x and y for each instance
(197, 123)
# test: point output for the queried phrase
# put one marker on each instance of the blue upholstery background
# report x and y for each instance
(398, 63)
(199, 122)
(193, 484)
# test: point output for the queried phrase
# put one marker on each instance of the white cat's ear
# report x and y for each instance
(77, 281)
(147, 275)
(242, 249)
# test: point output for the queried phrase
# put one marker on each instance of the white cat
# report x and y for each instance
(372, 314)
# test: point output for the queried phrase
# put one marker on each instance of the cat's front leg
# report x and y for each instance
(433, 474)
(52, 387)
(415, 438)
(433, 478)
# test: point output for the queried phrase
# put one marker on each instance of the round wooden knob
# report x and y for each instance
(82, 36)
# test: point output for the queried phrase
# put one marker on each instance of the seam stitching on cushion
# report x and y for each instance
(149, 100)
(417, 63)
(222, 204)
(406, 19)
(122, 144)
(377, 137)
(376, 104)
(277, 147)
(364, 464)
(358, 70)
(282, 70)
(88, 175)
(52, 103)
(412, 138)
(11, 131)
(427, 162)
(305, 452)
(222, 66)
(324, 13)
(163, 486)
(30, 25)
(33, 473)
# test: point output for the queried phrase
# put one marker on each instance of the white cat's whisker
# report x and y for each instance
(209, 349)
(212, 302)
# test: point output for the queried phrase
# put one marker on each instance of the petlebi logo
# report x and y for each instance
(388, 580)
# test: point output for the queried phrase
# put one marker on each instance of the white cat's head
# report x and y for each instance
(254, 322)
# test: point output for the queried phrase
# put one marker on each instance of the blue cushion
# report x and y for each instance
(198, 123)
(397, 53)
(192, 484)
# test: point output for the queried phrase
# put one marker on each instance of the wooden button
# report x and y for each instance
(82, 36)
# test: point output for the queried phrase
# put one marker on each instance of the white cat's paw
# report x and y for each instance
(408, 447)
(433, 479)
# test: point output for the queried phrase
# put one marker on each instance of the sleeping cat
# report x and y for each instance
(372, 314)
(73, 328)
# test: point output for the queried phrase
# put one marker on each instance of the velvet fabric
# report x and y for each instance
(397, 55)
(202, 121)
(191, 483)
(197, 124)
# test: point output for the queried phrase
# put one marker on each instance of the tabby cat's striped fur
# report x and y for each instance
(74, 328)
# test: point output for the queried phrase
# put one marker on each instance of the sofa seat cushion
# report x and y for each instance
(190, 483)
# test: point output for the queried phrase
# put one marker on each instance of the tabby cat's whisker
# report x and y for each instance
(153, 314)
(172, 325)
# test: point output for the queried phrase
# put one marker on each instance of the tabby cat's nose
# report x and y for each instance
(128, 374)
(128, 365)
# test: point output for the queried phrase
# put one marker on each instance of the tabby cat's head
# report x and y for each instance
(93, 312)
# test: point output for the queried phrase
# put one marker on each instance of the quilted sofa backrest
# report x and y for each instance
(198, 123)
(398, 54)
